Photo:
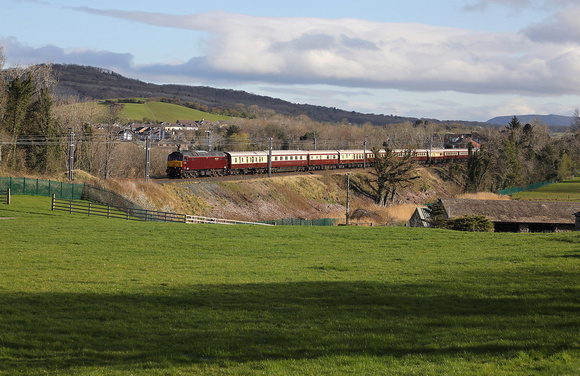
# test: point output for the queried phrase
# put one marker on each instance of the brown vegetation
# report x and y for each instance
(260, 199)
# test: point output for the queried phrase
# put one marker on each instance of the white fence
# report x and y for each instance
(219, 221)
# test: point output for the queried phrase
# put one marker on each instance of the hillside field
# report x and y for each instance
(166, 112)
(90, 296)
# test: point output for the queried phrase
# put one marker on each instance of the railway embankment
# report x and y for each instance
(286, 196)
(262, 198)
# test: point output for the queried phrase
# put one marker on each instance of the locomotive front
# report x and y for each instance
(176, 164)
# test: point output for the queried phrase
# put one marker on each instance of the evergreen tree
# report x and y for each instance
(44, 154)
(19, 96)
(477, 167)
(514, 124)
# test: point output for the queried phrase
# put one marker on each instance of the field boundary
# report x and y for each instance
(524, 188)
(91, 208)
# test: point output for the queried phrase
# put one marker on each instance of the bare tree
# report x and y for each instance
(391, 172)
(113, 116)
(575, 125)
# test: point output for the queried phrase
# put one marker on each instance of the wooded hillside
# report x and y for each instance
(96, 83)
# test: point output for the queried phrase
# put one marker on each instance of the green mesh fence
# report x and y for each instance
(107, 197)
(304, 222)
(65, 191)
(529, 187)
(37, 187)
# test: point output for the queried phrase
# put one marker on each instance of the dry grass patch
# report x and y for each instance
(483, 196)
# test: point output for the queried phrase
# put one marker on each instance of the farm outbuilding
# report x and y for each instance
(517, 216)
(420, 217)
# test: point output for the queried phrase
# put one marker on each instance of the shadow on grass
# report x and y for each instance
(213, 324)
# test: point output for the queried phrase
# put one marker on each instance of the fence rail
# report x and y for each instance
(198, 219)
(5, 196)
(91, 208)
(305, 222)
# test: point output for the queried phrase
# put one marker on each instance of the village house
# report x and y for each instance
(125, 135)
(462, 140)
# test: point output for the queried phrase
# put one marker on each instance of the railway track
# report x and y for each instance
(165, 180)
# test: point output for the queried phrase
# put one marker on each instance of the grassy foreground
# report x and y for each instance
(85, 295)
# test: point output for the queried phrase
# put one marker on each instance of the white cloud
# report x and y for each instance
(562, 27)
(483, 5)
(358, 53)
(543, 59)
(21, 53)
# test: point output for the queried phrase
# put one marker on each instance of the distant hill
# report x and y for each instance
(96, 83)
(553, 120)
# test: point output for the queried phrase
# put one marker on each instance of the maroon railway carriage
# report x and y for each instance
(289, 160)
(455, 154)
(354, 158)
(323, 159)
(247, 162)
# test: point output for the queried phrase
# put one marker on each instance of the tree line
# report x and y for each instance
(35, 125)
(523, 154)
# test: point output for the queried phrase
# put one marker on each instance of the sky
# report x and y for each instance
(447, 59)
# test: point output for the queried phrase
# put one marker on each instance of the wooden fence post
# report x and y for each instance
(8, 198)
(53, 198)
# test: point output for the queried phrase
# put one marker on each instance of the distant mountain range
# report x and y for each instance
(550, 120)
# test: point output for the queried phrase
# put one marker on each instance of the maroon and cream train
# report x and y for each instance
(188, 164)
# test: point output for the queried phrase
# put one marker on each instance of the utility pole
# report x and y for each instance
(208, 140)
(314, 135)
(430, 149)
(365, 153)
(347, 199)
(270, 159)
(71, 154)
(147, 157)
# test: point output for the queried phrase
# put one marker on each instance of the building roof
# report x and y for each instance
(421, 217)
(513, 211)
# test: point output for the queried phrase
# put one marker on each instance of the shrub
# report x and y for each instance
(472, 223)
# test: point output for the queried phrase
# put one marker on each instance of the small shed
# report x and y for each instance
(420, 217)
(518, 216)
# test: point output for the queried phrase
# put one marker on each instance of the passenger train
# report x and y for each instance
(191, 164)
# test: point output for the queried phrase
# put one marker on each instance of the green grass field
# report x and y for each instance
(166, 112)
(94, 296)
(568, 190)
